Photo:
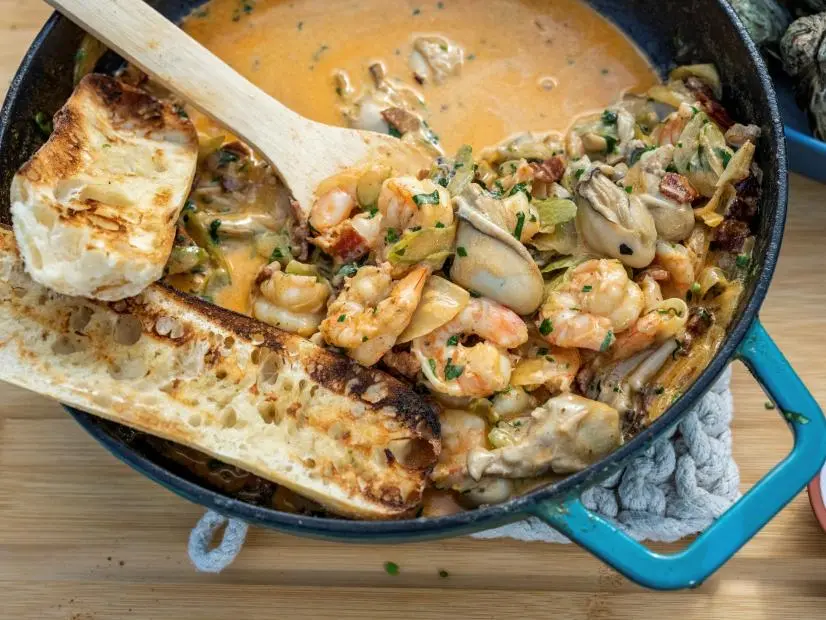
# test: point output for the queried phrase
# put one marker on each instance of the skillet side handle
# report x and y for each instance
(690, 567)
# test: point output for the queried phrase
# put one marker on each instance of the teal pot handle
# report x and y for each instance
(690, 567)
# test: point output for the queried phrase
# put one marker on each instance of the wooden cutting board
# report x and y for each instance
(82, 537)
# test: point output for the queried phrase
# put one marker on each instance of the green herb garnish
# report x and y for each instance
(391, 568)
(609, 117)
(742, 261)
(607, 342)
(546, 327)
(342, 318)
(426, 199)
(439, 225)
(391, 236)
(587, 288)
(453, 340)
(443, 574)
(348, 270)
(432, 363)
(520, 223)
(214, 225)
(460, 251)
(611, 144)
(520, 187)
(44, 123)
(724, 155)
(453, 372)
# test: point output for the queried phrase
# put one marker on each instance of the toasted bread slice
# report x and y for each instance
(353, 439)
(94, 210)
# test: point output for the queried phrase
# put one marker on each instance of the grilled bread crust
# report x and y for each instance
(354, 439)
(94, 210)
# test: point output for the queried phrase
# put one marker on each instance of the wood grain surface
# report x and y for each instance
(82, 537)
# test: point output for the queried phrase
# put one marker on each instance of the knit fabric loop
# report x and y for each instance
(224, 553)
(674, 488)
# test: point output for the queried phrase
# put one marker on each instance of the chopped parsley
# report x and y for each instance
(44, 123)
(520, 224)
(520, 187)
(578, 173)
(300, 26)
(453, 372)
(426, 199)
(460, 251)
(629, 189)
(391, 568)
(276, 254)
(364, 339)
(432, 363)
(607, 342)
(659, 390)
(443, 574)
(546, 327)
(317, 54)
(439, 225)
(348, 270)
(180, 111)
(609, 117)
(372, 212)
(542, 351)
(587, 288)
(189, 206)
(742, 261)
(471, 56)
(417, 11)
(671, 168)
(394, 132)
(342, 318)
(474, 293)
(611, 144)
(392, 236)
(724, 155)
(214, 225)
(453, 340)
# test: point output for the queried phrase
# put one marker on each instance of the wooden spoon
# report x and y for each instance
(303, 152)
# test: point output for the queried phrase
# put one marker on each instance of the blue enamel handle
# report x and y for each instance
(744, 519)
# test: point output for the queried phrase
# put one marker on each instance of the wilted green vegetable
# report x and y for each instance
(426, 244)
(702, 154)
(553, 212)
(185, 259)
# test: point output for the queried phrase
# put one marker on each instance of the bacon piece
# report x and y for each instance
(678, 188)
(549, 171)
(401, 120)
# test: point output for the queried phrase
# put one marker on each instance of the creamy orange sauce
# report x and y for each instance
(291, 49)
(244, 265)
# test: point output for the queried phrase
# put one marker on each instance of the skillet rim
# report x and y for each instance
(517, 508)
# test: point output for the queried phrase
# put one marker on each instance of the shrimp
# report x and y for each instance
(665, 321)
(671, 129)
(678, 261)
(651, 293)
(331, 209)
(294, 303)
(597, 302)
(406, 202)
(480, 370)
(372, 311)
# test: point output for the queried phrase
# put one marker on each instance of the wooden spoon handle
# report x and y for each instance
(146, 38)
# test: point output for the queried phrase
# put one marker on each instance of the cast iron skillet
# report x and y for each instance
(692, 30)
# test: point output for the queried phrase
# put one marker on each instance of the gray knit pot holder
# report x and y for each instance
(675, 488)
